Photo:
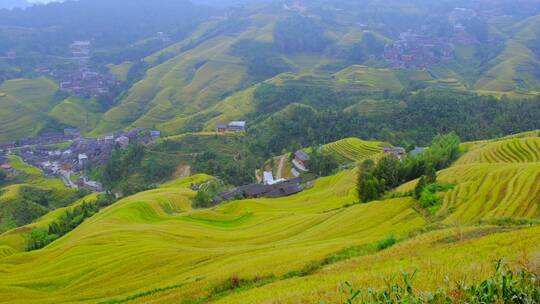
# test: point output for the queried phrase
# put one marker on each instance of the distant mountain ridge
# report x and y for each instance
(216, 62)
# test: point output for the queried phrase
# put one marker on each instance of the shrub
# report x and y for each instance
(39, 238)
(386, 243)
(390, 171)
(205, 196)
(429, 199)
(322, 163)
(504, 286)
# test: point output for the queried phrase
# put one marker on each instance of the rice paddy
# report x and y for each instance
(153, 240)
(494, 180)
(519, 150)
(24, 105)
(154, 248)
(354, 150)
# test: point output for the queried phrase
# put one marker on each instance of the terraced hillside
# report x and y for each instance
(24, 103)
(29, 195)
(519, 150)
(434, 258)
(31, 105)
(492, 191)
(495, 180)
(354, 150)
(202, 72)
(220, 64)
(158, 230)
(154, 248)
(14, 240)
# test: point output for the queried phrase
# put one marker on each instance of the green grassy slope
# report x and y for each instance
(154, 248)
(354, 150)
(492, 191)
(192, 83)
(454, 254)
(519, 150)
(14, 241)
(77, 113)
(21, 201)
(202, 72)
(29, 105)
(514, 70)
(23, 104)
(120, 71)
(158, 230)
(495, 180)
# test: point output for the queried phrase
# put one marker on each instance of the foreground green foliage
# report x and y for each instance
(322, 163)
(39, 238)
(207, 192)
(429, 197)
(134, 169)
(505, 286)
(22, 204)
(390, 172)
(305, 119)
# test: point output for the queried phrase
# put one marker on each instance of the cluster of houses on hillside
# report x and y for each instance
(79, 155)
(85, 82)
(418, 49)
(77, 77)
(269, 186)
(275, 190)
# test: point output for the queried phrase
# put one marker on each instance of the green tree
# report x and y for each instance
(322, 164)
(39, 238)
(430, 177)
(367, 165)
(422, 183)
(444, 150)
(369, 187)
(390, 170)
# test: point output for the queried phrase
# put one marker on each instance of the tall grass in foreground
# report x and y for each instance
(504, 286)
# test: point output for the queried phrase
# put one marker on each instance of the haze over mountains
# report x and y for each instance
(269, 151)
(480, 46)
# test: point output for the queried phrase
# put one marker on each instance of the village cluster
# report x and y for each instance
(68, 155)
(69, 162)
(77, 77)
(417, 49)
(274, 188)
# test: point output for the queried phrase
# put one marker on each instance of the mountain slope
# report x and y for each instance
(217, 59)
(153, 247)
(495, 180)
(455, 254)
(223, 238)
(24, 103)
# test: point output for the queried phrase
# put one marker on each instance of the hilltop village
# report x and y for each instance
(421, 49)
(79, 78)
